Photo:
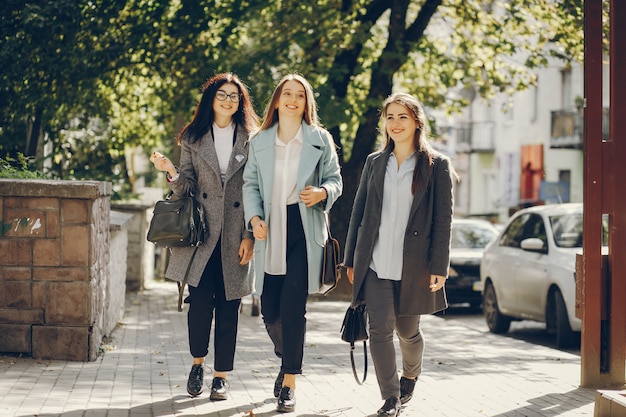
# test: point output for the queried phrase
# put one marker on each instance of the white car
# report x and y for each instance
(528, 272)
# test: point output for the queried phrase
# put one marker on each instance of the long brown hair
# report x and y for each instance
(310, 109)
(204, 116)
(425, 153)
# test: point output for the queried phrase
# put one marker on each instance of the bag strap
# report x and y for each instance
(354, 372)
(181, 285)
(330, 236)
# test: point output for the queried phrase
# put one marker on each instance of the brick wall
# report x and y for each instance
(54, 267)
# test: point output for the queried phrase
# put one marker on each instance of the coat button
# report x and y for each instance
(204, 195)
(236, 204)
(415, 233)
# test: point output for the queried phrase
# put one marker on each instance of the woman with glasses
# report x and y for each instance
(397, 250)
(291, 178)
(214, 151)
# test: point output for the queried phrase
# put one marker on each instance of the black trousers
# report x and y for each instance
(283, 300)
(205, 301)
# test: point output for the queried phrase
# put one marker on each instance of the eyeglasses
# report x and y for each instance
(222, 96)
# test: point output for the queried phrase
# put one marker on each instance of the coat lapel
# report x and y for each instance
(312, 145)
(239, 155)
(378, 172)
(419, 195)
(208, 154)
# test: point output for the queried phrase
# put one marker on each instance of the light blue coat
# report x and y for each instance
(319, 156)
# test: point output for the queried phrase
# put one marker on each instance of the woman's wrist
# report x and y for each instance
(254, 221)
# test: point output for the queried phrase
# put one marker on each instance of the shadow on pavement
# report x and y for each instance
(557, 404)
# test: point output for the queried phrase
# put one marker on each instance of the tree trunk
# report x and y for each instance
(34, 133)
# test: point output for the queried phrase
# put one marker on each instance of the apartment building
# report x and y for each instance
(520, 150)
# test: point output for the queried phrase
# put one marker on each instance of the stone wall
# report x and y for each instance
(140, 263)
(118, 254)
(54, 267)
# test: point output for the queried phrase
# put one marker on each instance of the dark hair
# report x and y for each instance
(424, 152)
(204, 116)
(310, 109)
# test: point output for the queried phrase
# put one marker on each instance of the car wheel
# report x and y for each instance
(565, 336)
(496, 321)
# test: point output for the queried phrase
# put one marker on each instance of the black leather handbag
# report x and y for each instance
(177, 222)
(354, 329)
(331, 267)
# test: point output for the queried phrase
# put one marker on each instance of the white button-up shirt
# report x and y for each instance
(397, 200)
(223, 141)
(284, 193)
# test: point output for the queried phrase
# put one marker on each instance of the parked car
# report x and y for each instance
(528, 272)
(468, 240)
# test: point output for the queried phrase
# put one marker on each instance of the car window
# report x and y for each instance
(534, 227)
(471, 236)
(567, 230)
(514, 233)
(523, 227)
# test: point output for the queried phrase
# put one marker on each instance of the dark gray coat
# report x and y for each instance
(426, 241)
(223, 207)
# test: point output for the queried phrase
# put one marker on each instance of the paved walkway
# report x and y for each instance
(143, 371)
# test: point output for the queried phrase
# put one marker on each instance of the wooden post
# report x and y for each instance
(603, 285)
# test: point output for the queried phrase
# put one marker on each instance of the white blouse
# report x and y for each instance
(223, 140)
(284, 193)
(394, 217)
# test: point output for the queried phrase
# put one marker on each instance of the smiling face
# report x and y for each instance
(400, 123)
(224, 110)
(292, 100)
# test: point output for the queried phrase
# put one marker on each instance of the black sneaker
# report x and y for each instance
(390, 408)
(278, 384)
(196, 380)
(219, 389)
(406, 389)
(286, 400)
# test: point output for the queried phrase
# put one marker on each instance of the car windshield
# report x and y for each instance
(471, 236)
(568, 230)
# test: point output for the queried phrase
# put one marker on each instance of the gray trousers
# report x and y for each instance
(381, 296)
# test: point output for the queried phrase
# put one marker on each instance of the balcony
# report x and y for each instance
(566, 129)
(475, 137)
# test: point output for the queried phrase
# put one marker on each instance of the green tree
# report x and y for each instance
(356, 52)
(137, 65)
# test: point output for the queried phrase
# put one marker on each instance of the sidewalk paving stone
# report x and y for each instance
(143, 368)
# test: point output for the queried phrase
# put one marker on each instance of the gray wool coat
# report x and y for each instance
(426, 241)
(223, 208)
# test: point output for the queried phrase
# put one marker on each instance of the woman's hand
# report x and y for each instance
(350, 274)
(162, 163)
(437, 282)
(312, 195)
(246, 251)
(259, 228)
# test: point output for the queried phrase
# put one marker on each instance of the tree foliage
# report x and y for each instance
(135, 66)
